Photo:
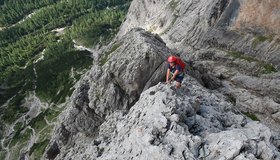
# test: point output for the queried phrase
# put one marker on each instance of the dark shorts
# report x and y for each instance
(179, 79)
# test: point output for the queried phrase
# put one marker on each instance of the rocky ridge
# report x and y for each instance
(177, 124)
(121, 122)
(108, 119)
(228, 47)
(180, 124)
(127, 68)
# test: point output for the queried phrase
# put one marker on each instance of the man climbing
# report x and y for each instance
(174, 71)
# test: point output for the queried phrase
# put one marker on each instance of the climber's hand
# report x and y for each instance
(168, 82)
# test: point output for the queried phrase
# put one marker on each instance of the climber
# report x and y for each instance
(174, 71)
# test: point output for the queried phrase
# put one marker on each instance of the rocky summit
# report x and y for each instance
(228, 105)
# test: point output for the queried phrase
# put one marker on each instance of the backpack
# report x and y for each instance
(180, 62)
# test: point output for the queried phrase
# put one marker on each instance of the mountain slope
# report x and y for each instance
(229, 111)
(45, 47)
(225, 24)
(226, 55)
(131, 65)
(226, 42)
(104, 121)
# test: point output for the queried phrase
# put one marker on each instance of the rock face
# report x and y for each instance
(242, 81)
(259, 15)
(233, 46)
(114, 114)
(108, 119)
(250, 27)
(168, 124)
(176, 124)
(129, 67)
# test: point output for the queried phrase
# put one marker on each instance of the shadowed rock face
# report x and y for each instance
(250, 27)
(130, 66)
(259, 16)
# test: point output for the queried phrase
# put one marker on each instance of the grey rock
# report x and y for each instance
(108, 119)
(263, 85)
(207, 33)
(241, 81)
(230, 144)
(158, 126)
(215, 23)
(133, 66)
(136, 64)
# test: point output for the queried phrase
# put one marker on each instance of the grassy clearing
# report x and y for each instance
(251, 116)
(260, 38)
(17, 151)
(264, 68)
(21, 137)
(51, 114)
(38, 123)
(14, 110)
(18, 126)
(46, 133)
(240, 55)
(268, 68)
(2, 154)
(37, 150)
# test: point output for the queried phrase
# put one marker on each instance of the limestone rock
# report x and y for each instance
(163, 124)
(114, 114)
(242, 80)
(129, 67)
(186, 26)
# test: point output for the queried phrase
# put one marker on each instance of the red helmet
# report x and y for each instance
(171, 59)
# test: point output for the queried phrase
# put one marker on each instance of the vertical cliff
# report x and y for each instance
(249, 27)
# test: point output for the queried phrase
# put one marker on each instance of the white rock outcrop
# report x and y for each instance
(113, 114)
